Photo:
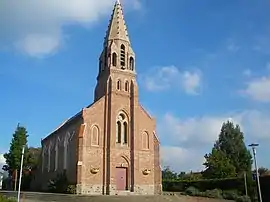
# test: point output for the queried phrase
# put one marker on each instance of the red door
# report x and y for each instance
(121, 178)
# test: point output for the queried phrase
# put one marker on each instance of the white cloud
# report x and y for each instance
(198, 130)
(2, 161)
(36, 27)
(167, 77)
(258, 89)
(193, 137)
(179, 159)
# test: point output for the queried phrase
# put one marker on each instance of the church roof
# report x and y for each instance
(117, 28)
(66, 122)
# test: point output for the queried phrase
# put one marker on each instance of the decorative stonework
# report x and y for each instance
(94, 170)
(146, 171)
(89, 189)
(144, 189)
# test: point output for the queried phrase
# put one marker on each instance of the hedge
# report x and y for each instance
(222, 184)
(205, 184)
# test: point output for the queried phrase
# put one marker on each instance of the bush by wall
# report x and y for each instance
(205, 184)
(217, 193)
(6, 199)
(60, 184)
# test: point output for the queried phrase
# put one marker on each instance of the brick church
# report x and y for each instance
(109, 147)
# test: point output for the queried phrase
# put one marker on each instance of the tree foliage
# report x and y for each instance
(33, 156)
(229, 156)
(13, 157)
(218, 165)
(168, 174)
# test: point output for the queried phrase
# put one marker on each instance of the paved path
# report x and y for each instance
(46, 197)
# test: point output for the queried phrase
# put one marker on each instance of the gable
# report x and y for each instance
(145, 112)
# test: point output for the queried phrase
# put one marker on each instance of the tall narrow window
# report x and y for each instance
(118, 85)
(49, 158)
(109, 60)
(125, 133)
(43, 158)
(122, 129)
(126, 86)
(145, 140)
(123, 55)
(118, 132)
(65, 152)
(131, 63)
(114, 59)
(56, 156)
(95, 136)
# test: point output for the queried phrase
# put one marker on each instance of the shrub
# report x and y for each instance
(243, 199)
(204, 184)
(71, 189)
(192, 191)
(230, 194)
(58, 184)
(6, 199)
(214, 193)
(202, 194)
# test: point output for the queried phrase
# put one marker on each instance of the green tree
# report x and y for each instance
(231, 149)
(168, 174)
(33, 157)
(13, 157)
(218, 165)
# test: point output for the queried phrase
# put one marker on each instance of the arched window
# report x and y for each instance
(126, 86)
(122, 129)
(49, 157)
(123, 55)
(125, 133)
(118, 85)
(131, 63)
(145, 140)
(65, 152)
(118, 138)
(95, 136)
(114, 59)
(56, 156)
(43, 158)
(108, 60)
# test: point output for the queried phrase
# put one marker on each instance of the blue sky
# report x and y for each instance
(199, 63)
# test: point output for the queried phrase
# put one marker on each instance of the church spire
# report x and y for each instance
(117, 59)
(117, 28)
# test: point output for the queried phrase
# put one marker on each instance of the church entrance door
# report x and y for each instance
(121, 179)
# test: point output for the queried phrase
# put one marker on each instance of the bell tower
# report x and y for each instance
(117, 58)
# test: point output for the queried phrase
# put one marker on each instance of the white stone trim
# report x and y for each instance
(80, 163)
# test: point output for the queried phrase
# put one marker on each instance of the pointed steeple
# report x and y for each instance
(117, 28)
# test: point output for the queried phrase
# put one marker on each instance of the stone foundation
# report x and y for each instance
(158, 189)
(144, 189)
(92, 189)
(112, 190)
(102, 190)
